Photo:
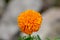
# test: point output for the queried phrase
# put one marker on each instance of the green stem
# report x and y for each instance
(29, 35)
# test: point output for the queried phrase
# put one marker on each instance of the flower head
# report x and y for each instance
(29, 21)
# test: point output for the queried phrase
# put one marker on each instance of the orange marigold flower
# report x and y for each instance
(29, 21)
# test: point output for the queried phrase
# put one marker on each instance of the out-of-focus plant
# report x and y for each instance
(57, 3)
(57, 38)
(29, 38)
(28, 22)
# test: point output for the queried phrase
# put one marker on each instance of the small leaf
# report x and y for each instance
(29, 38)
(38, 37)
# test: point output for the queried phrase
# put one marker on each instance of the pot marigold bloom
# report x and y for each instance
(29, 21)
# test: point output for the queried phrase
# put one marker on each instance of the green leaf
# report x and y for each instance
(38, 37)
(29, 38)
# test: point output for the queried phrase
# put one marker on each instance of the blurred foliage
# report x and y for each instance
(57, 38)
(29, 38)
(35, 38)
(57, 2)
